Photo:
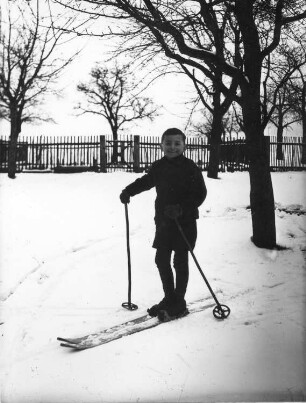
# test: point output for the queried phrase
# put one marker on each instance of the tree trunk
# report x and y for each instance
(262, 203)
(12, 156)
(12, 151)
(114, 159)
(215, 141)
(261, 189)
(216, 132)
(280, 131)
(304, 123)
(261, 193)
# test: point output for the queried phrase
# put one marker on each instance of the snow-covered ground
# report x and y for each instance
(64, 273)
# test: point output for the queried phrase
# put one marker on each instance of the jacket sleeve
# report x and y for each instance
(198, 191)
(146, 182)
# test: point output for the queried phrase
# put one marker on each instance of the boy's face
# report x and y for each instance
(173, 145)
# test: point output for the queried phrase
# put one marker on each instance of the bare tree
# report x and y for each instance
(114, 95)
(284, 115)
(216, 106)
(298, 103)
(28, 67)
(203, 126)
(142, 45)
(303, 114)
(280, 93)
(184, 31)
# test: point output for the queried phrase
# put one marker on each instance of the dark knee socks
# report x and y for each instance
(180, 262)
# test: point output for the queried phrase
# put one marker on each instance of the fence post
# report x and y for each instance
(136, 154)
(267, 147)
(102, 154)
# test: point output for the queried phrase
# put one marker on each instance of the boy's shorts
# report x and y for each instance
(168, 236)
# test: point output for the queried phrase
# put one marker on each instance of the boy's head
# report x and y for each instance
(173, 142)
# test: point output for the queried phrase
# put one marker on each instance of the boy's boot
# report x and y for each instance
(177, 307)
(162, 261)
(162, 305)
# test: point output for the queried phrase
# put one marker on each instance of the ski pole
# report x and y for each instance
(128, 305)
(219, 311)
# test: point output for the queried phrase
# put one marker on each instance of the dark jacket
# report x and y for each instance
(177, 181)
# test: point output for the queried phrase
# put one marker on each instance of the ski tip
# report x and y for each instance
(66, 340)
(67, 345)
(73, 347)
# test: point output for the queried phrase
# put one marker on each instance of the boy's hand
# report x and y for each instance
(125, 197)
(173, 211)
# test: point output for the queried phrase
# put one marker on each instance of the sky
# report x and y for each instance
(170, 92)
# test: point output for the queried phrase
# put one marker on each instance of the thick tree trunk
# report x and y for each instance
(214, 157)
(304, 123)
(280, 131)
(12, 156)
(261, 189)
(262, 203)
(114, 158)
(215, 141)
(12, 151)
(261, 193)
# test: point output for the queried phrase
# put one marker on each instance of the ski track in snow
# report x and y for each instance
(229, 212)
(51, 261)
(69, 256)
(79, 286)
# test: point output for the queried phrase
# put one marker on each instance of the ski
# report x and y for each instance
(163, 315)
(127, 328)
(107, 331)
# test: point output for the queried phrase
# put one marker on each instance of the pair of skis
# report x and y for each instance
(126, 329)
(143, 322)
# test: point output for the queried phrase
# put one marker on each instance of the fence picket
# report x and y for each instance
(137, 153)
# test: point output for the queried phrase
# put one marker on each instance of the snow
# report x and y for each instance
(64, 273)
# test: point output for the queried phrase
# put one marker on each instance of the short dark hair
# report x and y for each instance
(172, 132)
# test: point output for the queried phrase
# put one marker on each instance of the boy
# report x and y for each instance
(180, 191)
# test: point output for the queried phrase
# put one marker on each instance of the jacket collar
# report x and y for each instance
(175, 160)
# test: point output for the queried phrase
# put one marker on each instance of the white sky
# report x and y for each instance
(170, 92)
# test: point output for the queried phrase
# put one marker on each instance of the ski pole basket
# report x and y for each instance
(219, 311)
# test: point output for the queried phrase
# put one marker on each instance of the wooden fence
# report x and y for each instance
(136, 154)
